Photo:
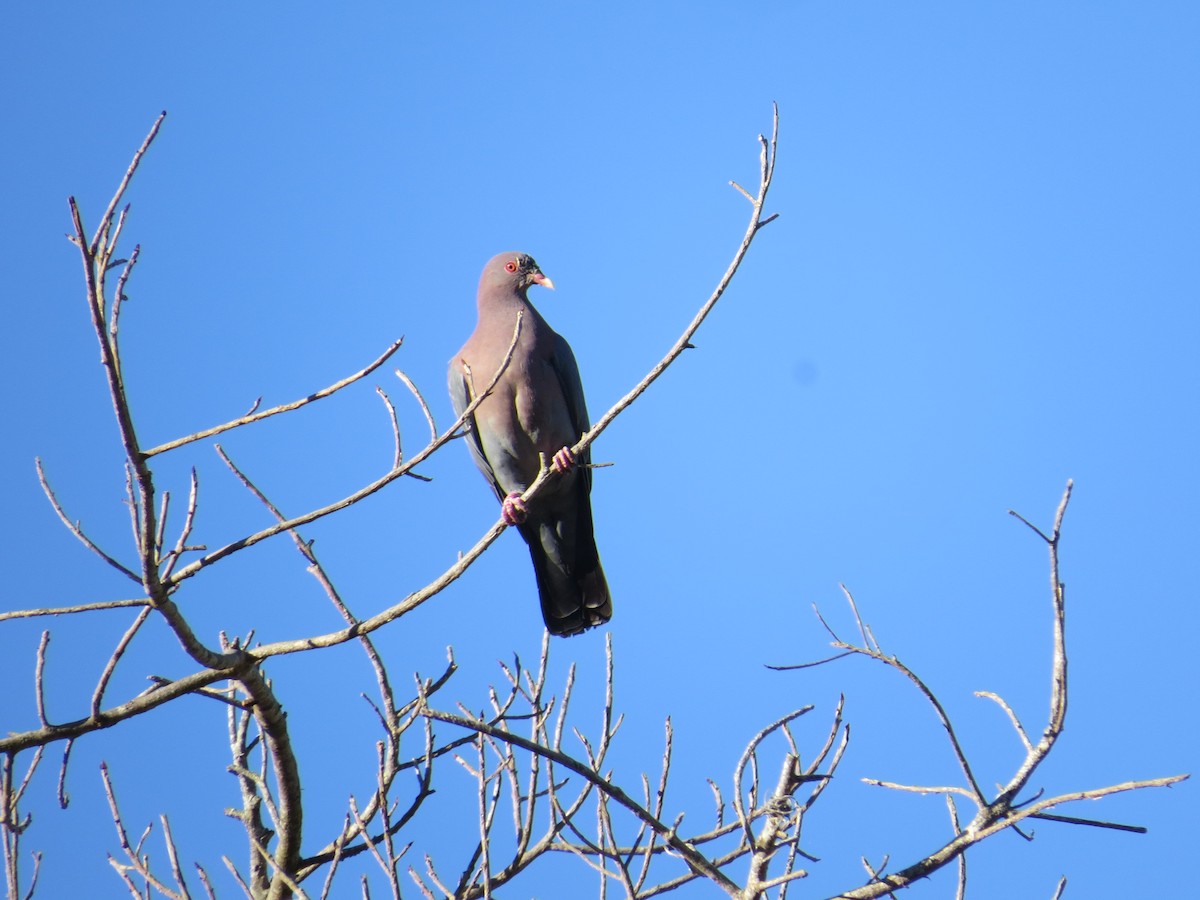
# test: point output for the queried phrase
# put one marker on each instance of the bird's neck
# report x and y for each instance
(505, 305)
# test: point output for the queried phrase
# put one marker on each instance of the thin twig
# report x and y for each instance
(275, 410)
(1012, 717)
(960, 892)
(110, 667)
(185, 532)
(76, 529)
(106, 219)
(64, 799)
(920, 789)
(134, 854)
(1058, 675)
(398, 455)
(39, 684)
(1094, 823)
(119, 293)
(408, 382)
(957, 748)
(70, 610)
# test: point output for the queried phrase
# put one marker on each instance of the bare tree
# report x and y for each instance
(535, 797)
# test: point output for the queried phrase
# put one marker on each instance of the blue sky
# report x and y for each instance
(983, 282)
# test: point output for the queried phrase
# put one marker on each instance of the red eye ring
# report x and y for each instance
(510, 266)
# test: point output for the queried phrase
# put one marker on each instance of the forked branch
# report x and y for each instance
(1001, 812)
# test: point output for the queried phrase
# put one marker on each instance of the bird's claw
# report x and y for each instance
(564, 460)
(513, 510)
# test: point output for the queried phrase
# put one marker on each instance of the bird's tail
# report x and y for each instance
(571, 583)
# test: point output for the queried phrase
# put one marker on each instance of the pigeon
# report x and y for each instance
(535, 409)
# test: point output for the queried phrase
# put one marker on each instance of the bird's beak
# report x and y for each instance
(539, 278)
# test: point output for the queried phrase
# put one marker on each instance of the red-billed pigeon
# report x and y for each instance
(535, 408)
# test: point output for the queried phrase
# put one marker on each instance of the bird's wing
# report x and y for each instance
(567, 371)
(460, 397)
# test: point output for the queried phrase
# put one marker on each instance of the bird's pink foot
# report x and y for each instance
(564, 460)
(513, 510)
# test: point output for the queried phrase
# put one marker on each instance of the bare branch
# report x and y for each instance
(408, 382)
(870, 648)
(77, 530)
(773, 831)
(143, 703)
(276, 410)
(869, 643)
(208, 888)
(398, 456)
(766, 175)
(272, 723)
(106, 219)
(920, 789)
(971, 835)
(1094, 823)
(119, 293)
(450, 434)
(1012, 717)
(185, 532)
(111, 666)
(173, 856)
(810, 665)
(39, 684)
(696, 860)
(160, 535)
(70, 610)
(138, 862)
(1058, 678)
(960, 892)
(280, 881)
(748, 756)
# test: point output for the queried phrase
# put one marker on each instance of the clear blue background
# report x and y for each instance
(983, 282)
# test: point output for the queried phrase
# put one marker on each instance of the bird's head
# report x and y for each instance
(516, 270)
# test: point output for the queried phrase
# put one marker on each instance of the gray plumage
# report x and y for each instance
(536, 407)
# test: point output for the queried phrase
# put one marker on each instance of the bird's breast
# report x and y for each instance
(541, 410)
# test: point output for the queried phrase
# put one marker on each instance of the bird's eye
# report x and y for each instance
(510, 266)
